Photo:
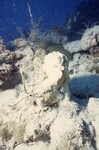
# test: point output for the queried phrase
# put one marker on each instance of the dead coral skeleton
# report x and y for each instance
(55, 86)
(29, 94)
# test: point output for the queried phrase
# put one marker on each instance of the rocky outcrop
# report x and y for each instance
(57, 79)
(52, 108)
(90, 38)
(73, 47)
(84, 17)
(93, 114)
(52, 90)
(7, 63)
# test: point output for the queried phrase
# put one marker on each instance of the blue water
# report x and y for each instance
(15, 14)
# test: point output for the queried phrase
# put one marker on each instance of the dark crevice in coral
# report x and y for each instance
(14, 81)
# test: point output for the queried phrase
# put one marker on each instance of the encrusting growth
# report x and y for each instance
(55, 86)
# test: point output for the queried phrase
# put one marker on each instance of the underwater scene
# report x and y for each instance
(49, 75)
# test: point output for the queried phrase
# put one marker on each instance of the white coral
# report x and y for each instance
(72, 47)
(93, 109)
(55, 85)
(90, 38)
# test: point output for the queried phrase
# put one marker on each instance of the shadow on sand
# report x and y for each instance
(84, 87)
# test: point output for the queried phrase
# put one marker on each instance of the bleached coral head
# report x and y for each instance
(55, 86)
(54, 64)
(90, 38)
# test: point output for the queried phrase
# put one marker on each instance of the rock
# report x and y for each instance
(90, 38)
(2, 46)
(6, 62)
(57, 78)
(63, 135)
(17, 43)
(6, 72)
(38, 126)
(95, 67)
(8, 65)
(73, 47)
(82, 63)
(41, 113)
(7, 57)
(93, 111)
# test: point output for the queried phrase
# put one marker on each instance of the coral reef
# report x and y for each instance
(89, 41)
(7, 63)
(57, 79)
(85, 17)
(73, 47)
(55, 106)
(90, 38)
(93, 109)
(52, 88)
(85, 51)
